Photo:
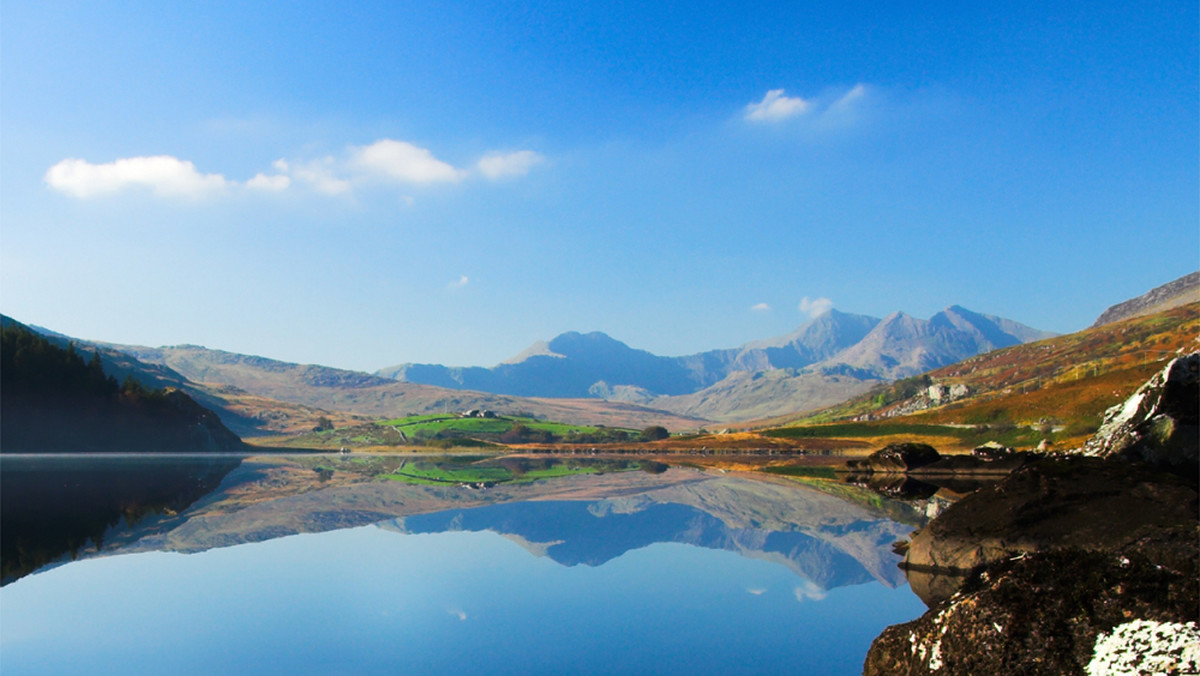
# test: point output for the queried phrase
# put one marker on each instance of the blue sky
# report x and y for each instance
(430, 182)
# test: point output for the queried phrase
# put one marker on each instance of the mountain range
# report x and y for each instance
(582, 378)
(834, 356)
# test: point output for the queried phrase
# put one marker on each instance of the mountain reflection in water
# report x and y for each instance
(619, 566)
(583, 512)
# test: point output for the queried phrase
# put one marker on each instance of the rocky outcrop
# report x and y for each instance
(896, 459)
(1071, 564)
(1081, 503)
(922, 460)
(936, 394)
(1159, 424)
(1053, 613)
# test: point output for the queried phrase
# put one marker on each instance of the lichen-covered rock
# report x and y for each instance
(1159, 424)
(1083, 503)
(1043, 613)
(1146, 647)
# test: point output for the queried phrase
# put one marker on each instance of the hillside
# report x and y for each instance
(246, 382)
(1055, 389)
(55, 402)
(751, 395)
(1181, 291)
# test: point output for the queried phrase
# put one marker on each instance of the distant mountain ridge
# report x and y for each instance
(317, 388)
(1181, 291)
(837, 354)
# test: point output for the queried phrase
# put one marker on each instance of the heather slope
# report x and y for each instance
(1055, 389)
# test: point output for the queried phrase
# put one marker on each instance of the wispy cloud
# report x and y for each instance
(776, 106)
(815, 307)
(403, 161)
(857, 93)
(459, 283)
(761, 307)
(162, 174)
(496, 166)
(830, 109)
(320, 176)
(273, 183)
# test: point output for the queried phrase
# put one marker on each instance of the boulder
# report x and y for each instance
(975, 465)
(992, 450)
(1081, 503)
(896, 459)
(1159, 424)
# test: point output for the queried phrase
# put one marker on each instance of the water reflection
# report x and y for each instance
(575, 511)
(466, 565)
(54, 507)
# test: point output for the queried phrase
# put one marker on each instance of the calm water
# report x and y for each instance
(359, 566)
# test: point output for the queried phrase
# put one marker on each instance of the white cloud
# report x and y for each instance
(775, 106)
(319, 175)
(385, 159)
(459, 283)
(815, 307)
(761, 307)
(496, 165)
(402, 161)
(275, 183)
(757, 591)
(163, 174)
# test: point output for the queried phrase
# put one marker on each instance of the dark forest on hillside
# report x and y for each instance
(53, 401)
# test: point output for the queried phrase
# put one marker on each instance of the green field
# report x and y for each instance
(502, 428)
(499, 470)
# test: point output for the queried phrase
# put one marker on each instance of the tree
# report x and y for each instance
(655, 433)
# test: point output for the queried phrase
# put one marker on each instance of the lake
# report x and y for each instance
(407, 564)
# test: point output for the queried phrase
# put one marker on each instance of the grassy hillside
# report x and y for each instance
(441, 430)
